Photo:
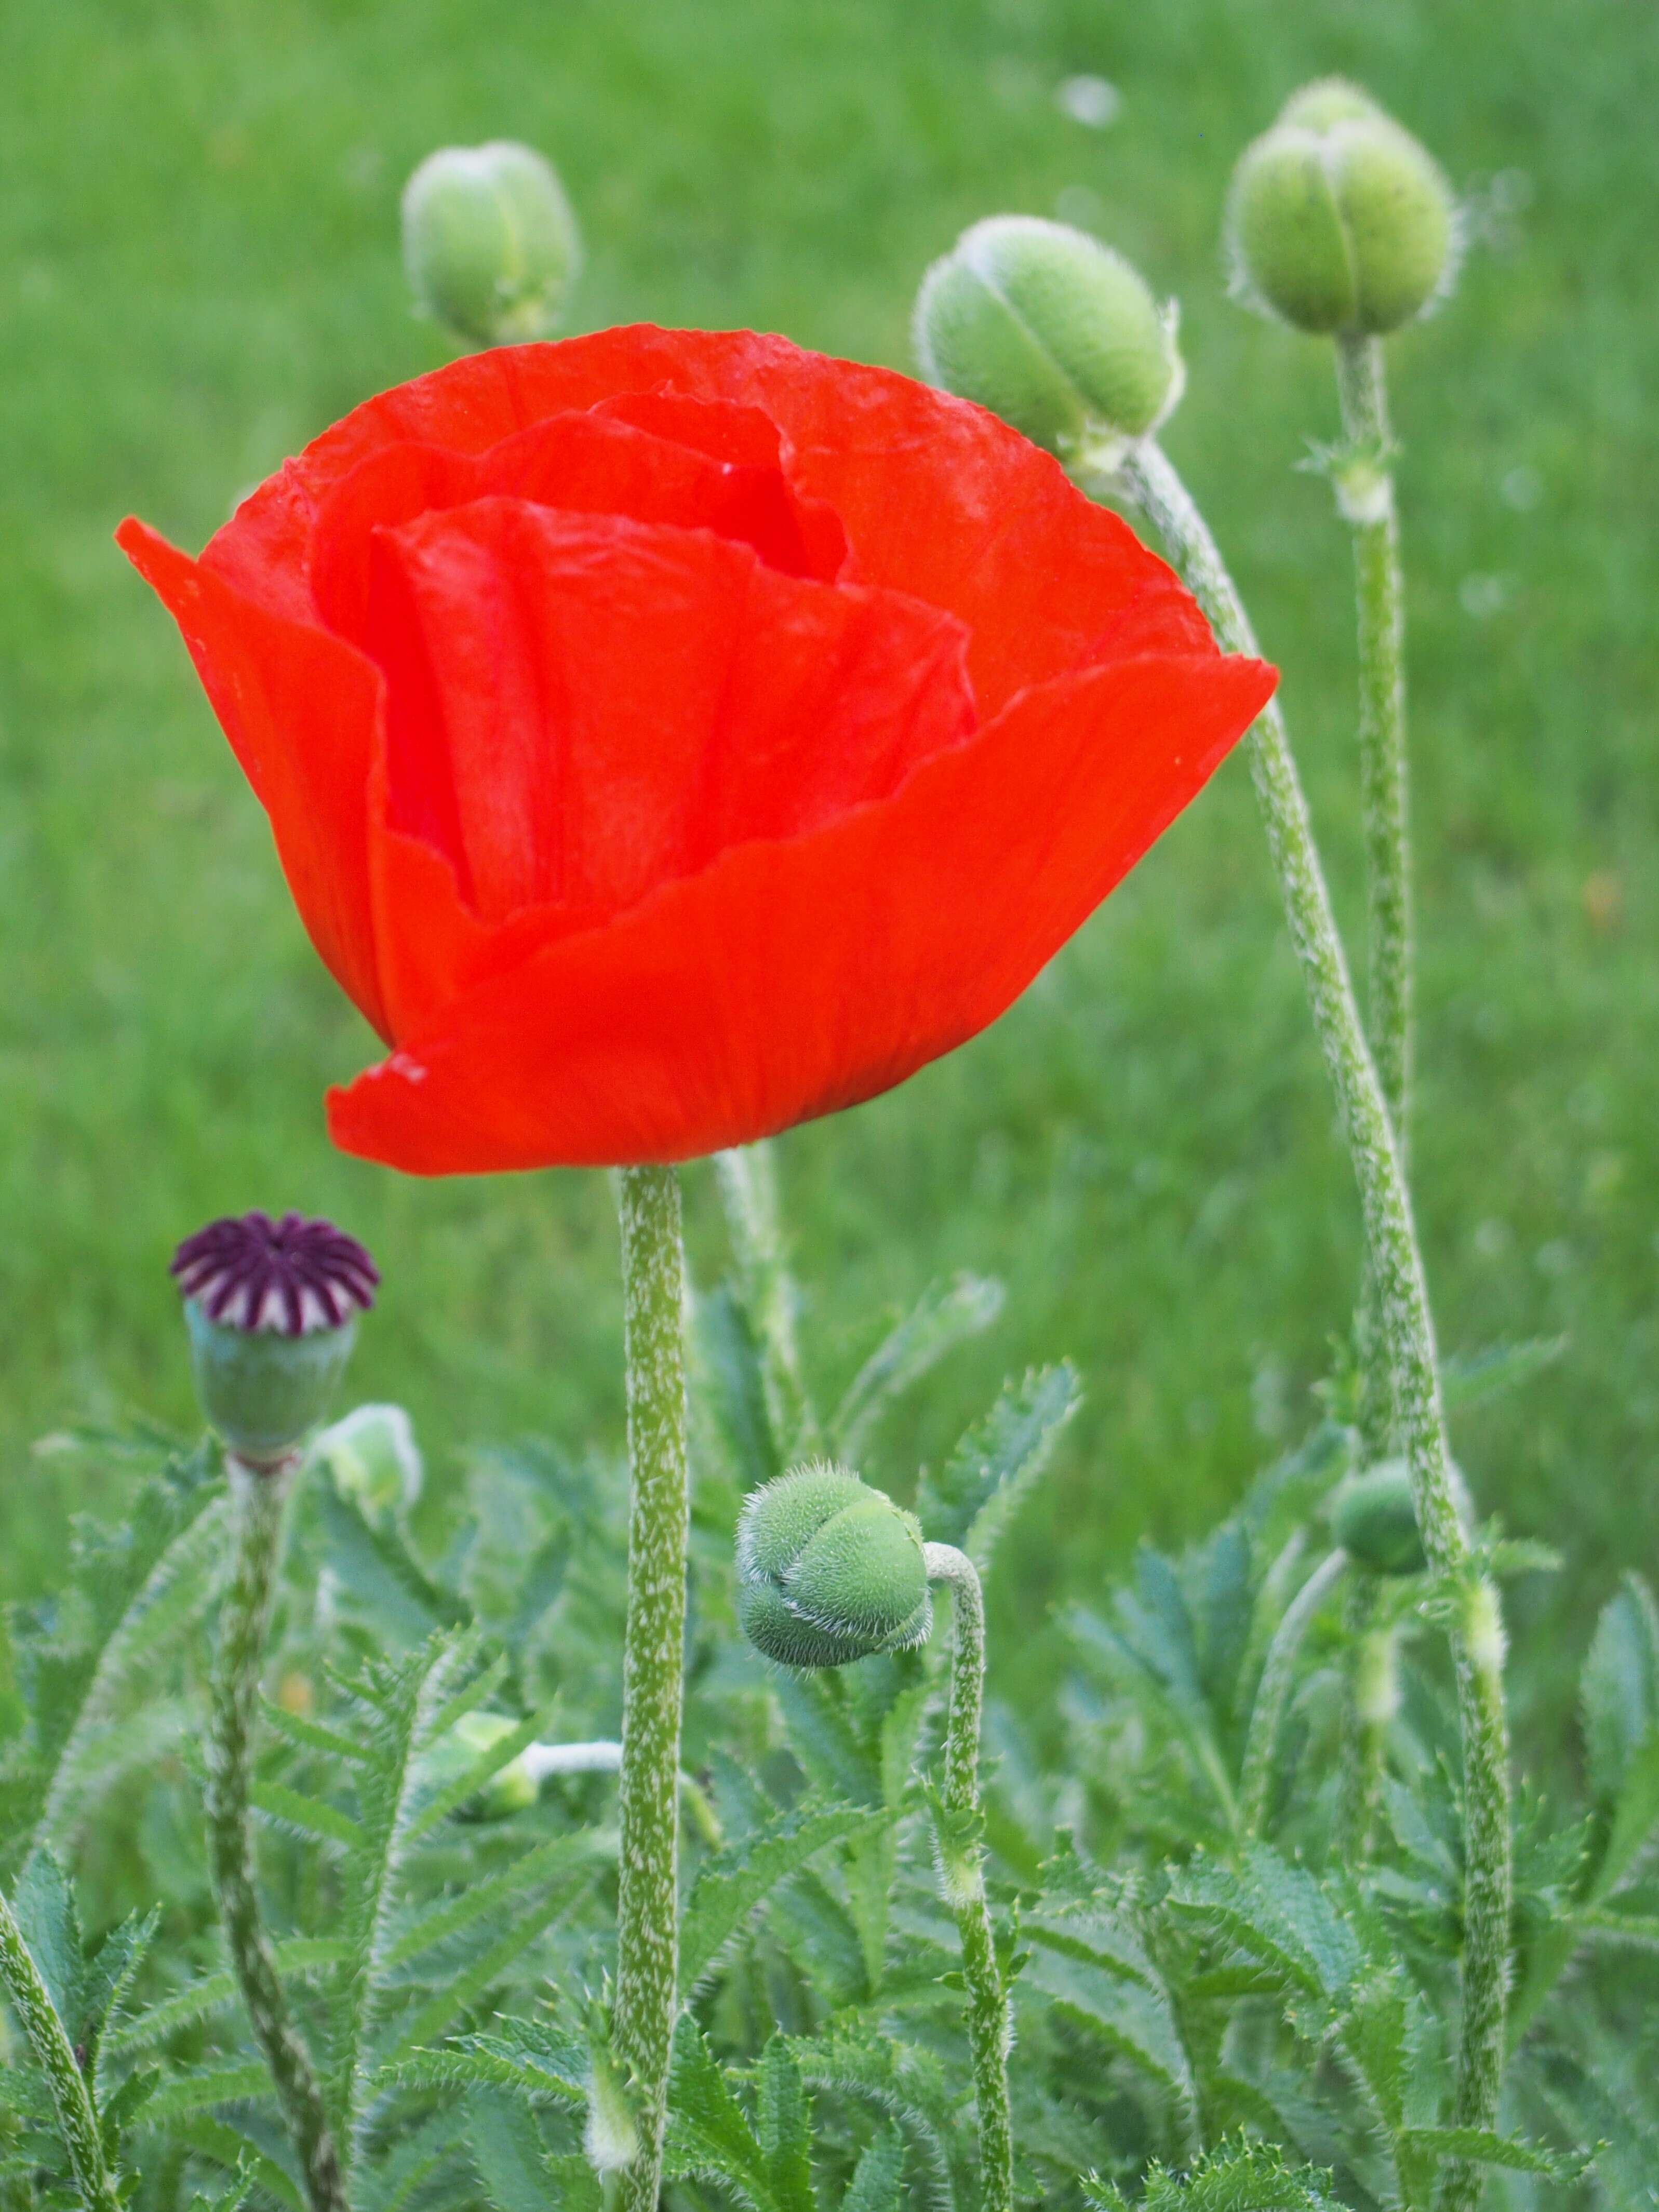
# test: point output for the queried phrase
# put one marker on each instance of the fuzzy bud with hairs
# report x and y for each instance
(490, 243)
(829, 1570)
(1338, 220)
(1050, 330)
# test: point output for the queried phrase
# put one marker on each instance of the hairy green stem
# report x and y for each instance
(1147, 474)
(78, 2123)
(962, 1878)
(653, 1655)
(1364, 498)
(749, 1197)
(258, 1494)
(1370, 1701)
(1273, 1693)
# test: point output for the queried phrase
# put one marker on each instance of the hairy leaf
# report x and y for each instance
(945, 1314)
(732, 1881)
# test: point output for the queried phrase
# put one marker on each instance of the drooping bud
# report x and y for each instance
(1338, 219)
(490, 243)
(829, 1570)
(511, 1789)
(373, 1458)
(271, 1308)
(1052, 330)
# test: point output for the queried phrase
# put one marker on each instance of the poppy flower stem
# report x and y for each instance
(78, 2123)
(1146, 475)
(647, 1933)
(962, 1877)
(258, 1494)
(1364, 483)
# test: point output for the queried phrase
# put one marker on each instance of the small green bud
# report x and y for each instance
(271, 1311)
(490, 243)
(511, 1789)
(1339, 219)
(373, 1458)
(1052, 330)
(829, 1570)
(1375, 1521)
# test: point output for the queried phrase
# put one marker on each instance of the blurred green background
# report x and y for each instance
(198, 269)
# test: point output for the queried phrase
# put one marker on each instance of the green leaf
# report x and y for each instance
(906, 2084)
(507, 2152)
(381, 1572)
(300, 1957)
(727, 1370)
(878, 2179)
(1237, 2176)
(558, 1856)
(976, 1492)
(217, 2140)
(307, 1816)
(708, 2137)
(44, 1908)
(1128, 2017)
(733, 1881)
(1278, 1915)
(196, 2092)
(1619, 1687)
(945, 1314)
(311, 1736)
(1481, 2146)
(1467, 1378)
(785, 2128)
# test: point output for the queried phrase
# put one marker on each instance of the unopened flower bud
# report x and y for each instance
(1375, 1521)
(1339, 219)
(829, 1570)
(511, 1789)
(1052, 330)
(271, 1308)
(373, 1458)
(490, 243)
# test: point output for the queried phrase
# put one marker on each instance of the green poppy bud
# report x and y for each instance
(829, 1570)
(511, 1789)
(1052, 330)
(271, 1309)
(490, 243)
(1338, 220)
(373, 1458)
(1375, 1521)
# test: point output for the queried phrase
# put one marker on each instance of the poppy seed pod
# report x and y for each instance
(1339, 219)
(271, 1309)
(829, 1570)
(490, 243)
(1050, 330)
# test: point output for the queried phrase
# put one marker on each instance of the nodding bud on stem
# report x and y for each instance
(1338, 221)
(374, 1460)
(511, 1789)
(490, 243)
(828, 1570)
(271, 1308)
(1052, 330)
(1375, 1521)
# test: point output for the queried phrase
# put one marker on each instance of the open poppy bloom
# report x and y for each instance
(671, 736)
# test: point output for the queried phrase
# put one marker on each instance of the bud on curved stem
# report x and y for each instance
(490, 243)
(1052, 330)
(1396, 1261)
(828, 1570)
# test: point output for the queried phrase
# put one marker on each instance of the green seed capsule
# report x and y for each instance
(828, 1570)
(1049, 328)
(490, 243)
(1339, 219)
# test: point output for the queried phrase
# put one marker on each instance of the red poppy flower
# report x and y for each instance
(669, 736)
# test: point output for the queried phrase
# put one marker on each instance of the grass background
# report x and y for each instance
(198, 269)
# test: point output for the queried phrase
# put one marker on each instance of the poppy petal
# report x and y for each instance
(300, 710)
(582, 707)
(792, 979)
